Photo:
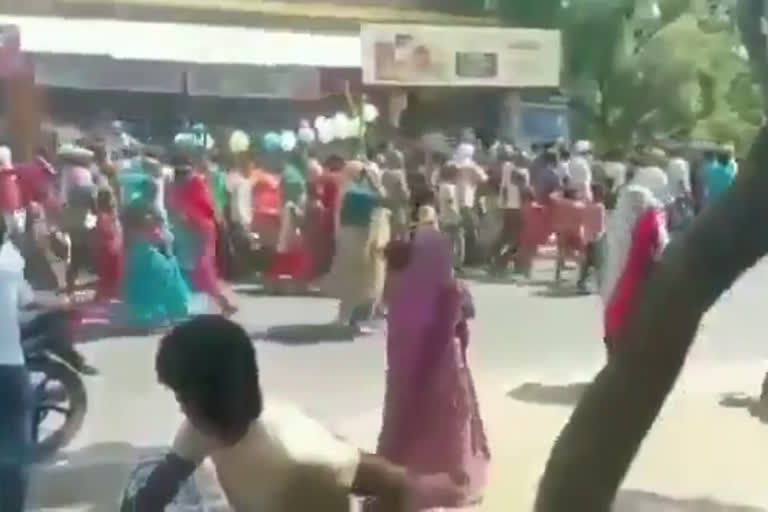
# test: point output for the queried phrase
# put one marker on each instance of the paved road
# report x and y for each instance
(522, 333)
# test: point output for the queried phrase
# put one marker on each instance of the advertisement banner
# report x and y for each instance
(422, 55)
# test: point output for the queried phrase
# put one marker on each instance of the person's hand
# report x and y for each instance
(433, 491)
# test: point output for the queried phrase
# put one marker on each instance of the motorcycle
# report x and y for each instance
(55, 368)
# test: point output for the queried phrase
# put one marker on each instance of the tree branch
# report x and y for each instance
(594, 451)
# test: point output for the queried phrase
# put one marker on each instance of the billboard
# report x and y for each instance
(423, 55)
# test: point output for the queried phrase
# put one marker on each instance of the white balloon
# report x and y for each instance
(287, 140)
(325, 133)
(320, 121)
(370, 113)
(340, 125)
(353, 128)
(239, 142)
(306, 134)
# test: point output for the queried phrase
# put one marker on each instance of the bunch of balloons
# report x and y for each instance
(324, 130)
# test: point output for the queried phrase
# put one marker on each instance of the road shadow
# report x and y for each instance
(751, 404)
(560, 291)
(307, 334)
(91, 333)
(95, 477)
(259, 290)
(642, 501)
(493, 279)
(543, 394)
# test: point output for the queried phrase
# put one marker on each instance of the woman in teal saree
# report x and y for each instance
(154, 291)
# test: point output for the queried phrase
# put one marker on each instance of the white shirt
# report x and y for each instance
(509, 191)
(15, 293)
(580, 173)
(470, 176)
(617, 172)
(448, 204)
(287, 462)
(241, 206)
(679, 174)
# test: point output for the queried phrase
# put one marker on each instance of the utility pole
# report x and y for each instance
(23, 98)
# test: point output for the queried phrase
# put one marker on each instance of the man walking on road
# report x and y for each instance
(15, 392)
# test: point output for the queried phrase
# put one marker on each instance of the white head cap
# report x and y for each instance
(6, 157)
(465, 154)
(582, 146)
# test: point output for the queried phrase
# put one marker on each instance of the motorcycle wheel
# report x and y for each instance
(73, 412)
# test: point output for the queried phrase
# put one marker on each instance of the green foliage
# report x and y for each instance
(632, 79)
(530, 13)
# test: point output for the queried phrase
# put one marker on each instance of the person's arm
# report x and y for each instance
(189, 450)
(162, 486)
(399, 491)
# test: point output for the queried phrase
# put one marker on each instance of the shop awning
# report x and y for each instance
(94, 72)
(188, 43)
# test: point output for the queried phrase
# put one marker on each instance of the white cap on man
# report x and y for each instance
(582, 146)
(6, 158)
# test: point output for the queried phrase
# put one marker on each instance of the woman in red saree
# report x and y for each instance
(267, 202)
(109, 248)
(194, 221)
(324, 205)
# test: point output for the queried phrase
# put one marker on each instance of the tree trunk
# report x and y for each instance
(597, 446)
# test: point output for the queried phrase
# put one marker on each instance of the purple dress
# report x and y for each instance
(431, 420)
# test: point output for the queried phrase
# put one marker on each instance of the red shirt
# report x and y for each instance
(10, 192)
(35, 182)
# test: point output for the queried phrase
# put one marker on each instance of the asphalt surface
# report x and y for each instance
(523, 333)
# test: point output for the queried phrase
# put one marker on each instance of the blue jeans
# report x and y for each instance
(15, 436)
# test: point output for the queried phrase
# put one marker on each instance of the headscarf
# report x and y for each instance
(427, 216)
(141, 210)
(633, 202)
(357, 205)
(194, 142)
(655, 180)
(293, 184)
(412, 293)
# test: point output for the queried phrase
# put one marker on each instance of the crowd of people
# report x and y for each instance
(386, 233)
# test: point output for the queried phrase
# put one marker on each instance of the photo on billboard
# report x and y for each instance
(477, 65)
(425, 55)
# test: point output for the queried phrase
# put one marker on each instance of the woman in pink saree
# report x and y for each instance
(431, 420)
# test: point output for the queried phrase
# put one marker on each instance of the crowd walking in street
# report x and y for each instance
(383, 233)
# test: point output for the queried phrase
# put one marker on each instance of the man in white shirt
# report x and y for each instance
(449, 213)
(269, 458)
(470, 177)
(15, 392)
(679, 175)
(511, 184)
(240, 183)
(580, 171)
